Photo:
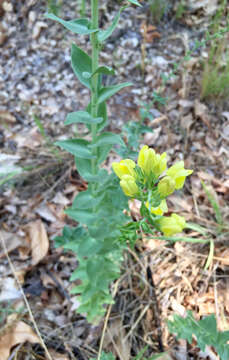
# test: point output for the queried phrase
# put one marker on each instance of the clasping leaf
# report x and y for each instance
(77, 26)
(82, 117)
(77, 147)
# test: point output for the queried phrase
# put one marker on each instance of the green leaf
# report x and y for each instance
(106, 92)
(197, 227)
(104, 34)
(85, 200)
(102, 153)
(81, 63)
(77, 147)
(83, 166)
(81, 216)
(69, 235)
(87, 75)
(89, 246)
(106, 70)
(82, 117)
(108, 138)
(106, 356)
(135, 2)
(77, 26)
(205, 331)
(102, 112)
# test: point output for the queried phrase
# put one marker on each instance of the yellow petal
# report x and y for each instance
(129, 186)
(124, 167)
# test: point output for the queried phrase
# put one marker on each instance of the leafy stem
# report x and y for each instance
(94, 80)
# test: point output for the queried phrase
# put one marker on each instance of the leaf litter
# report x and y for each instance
(40, 82)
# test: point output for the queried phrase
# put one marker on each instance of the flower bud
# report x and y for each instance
(150, 162)
(159, 210)
(124, 167)
(146, 159)
(179, 174)
(171, 225)
(129, 186)
(166, 186)
(160, 164)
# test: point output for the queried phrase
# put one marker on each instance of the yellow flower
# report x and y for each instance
(171, 225)
(166, 186)
(160, 164)
(124, 167)
(159, 210)
(178, 173)
(149, 161)
(146, 158)
(129, 186)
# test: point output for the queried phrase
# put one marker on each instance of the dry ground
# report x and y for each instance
(37, 86)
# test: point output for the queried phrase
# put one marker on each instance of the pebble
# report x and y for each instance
(160, 61)
(131, 43)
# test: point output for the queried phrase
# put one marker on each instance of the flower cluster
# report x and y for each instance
(150, 181)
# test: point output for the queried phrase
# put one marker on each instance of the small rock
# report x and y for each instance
(160, 61)
(155, 113)
(50, 106)
(37, 29)
(26, 95)
(226, 131)
(7, 6)
(226, 114)
(32, 17)
(186, 105)
(131, 43)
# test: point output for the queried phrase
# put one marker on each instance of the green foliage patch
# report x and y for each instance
(204, 330)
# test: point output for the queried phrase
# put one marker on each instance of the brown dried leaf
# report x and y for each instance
(45, 213)
(115, 339)
(12, 242)
(19, 333)
(9, 290)
(6, 116)
(201, 111)
(39, 241)
(58, 356)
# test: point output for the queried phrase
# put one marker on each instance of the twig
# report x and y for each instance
(137, 321)
(216, 294)
(106, 321)
(15, 351)
(114, 344)
(50, 190)
(155, 308)
(25, 299)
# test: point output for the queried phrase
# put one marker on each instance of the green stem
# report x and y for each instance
(94, 81)
(83, 8)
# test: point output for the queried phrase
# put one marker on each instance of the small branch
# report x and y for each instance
(25, 299)
(106, 321)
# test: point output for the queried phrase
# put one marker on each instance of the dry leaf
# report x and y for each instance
(19, 333)
(201, 111)
(58, 356)
(114, 340)
(44, 212)
(39, 241)
(12, 242)
(61, 199)
(9, 289)
(6, 116)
